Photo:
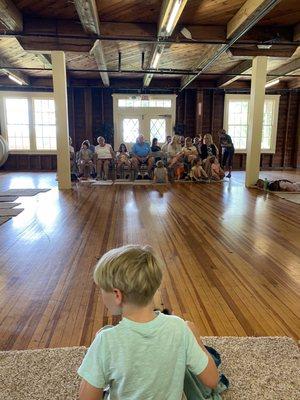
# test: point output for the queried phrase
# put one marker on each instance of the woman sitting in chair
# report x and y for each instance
(123, 160)
(85, 160)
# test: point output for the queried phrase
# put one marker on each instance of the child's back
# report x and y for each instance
(146, 355)
(144, 360)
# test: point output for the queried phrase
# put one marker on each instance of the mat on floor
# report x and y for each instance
(8, 198)
(22, 192)
(264, 368)
(291, 196)
(10, 212)
(102, 183)
(8, 205)
(2, 221)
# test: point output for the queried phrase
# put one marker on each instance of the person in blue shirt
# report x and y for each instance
(141, 151)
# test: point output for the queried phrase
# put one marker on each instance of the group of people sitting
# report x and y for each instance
(178, 158)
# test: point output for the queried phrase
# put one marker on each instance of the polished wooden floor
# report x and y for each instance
(232, 257)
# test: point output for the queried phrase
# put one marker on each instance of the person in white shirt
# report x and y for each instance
(104, 155)
(164, 147)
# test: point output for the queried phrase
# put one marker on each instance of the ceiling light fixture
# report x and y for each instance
(15, 79)
(156, 59)
(173, 17)
(272, 83)
(264, 46)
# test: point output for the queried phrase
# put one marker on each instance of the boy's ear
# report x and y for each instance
(118, 296)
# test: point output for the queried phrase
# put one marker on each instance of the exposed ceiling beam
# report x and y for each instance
(250, 12)
(286, 69)
(13, 73)
(171, 11)
(42, 34)
(248, 15)
(10, 17)
(294, 83)
(88, 14)
(238, 70)
(252, 51)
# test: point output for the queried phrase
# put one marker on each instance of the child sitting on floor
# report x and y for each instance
(217, 174)
(160, 173)
(197, 172)
(146, 355)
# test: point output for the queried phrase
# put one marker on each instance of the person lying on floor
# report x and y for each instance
(197, 172)
(146, 355)
(280, 185)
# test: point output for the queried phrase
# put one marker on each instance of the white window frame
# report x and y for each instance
(242, 97)
(30, 96)
(146, 113)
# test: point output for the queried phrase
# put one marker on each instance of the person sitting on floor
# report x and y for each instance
(104, 154)
(141, 155)
(197, 172)
(208, 150)
(197, 142)
(160, 173)
(189, 150)
(280, 185)
(217, 174)
(85, 160)
(147, 354)
(123, 158)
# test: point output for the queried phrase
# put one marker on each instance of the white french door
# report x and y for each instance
(152, 116)
(151, 126)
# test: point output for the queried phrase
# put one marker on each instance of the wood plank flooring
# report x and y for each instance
(232, 258)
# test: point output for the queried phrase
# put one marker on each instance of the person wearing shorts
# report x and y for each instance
(227, 151)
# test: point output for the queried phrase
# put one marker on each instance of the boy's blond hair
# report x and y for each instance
(132, 269)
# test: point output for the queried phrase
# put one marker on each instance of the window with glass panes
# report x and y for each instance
(236, 121)
(44, 123)
(17, 123)
(29, 121)
(267, 124)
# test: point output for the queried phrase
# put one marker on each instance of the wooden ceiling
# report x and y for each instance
(176, 55)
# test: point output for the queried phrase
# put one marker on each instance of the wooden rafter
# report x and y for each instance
(88, 14)
(12, 72)
(286, 69)
(12, 20)
(249, 14)
(166, 9)
(10, 17)
(238, 70)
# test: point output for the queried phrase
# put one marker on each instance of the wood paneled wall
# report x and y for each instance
(91, 114)
(287, 153)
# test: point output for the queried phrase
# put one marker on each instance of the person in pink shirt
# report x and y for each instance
(217, 173)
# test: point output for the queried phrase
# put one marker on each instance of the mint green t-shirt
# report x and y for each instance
(143, 361)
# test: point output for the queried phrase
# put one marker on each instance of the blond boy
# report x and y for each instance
(145, 356)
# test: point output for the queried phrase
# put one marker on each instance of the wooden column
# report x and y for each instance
(255, 123)
(61, 111)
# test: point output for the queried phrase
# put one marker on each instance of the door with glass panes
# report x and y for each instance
(151, 126)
